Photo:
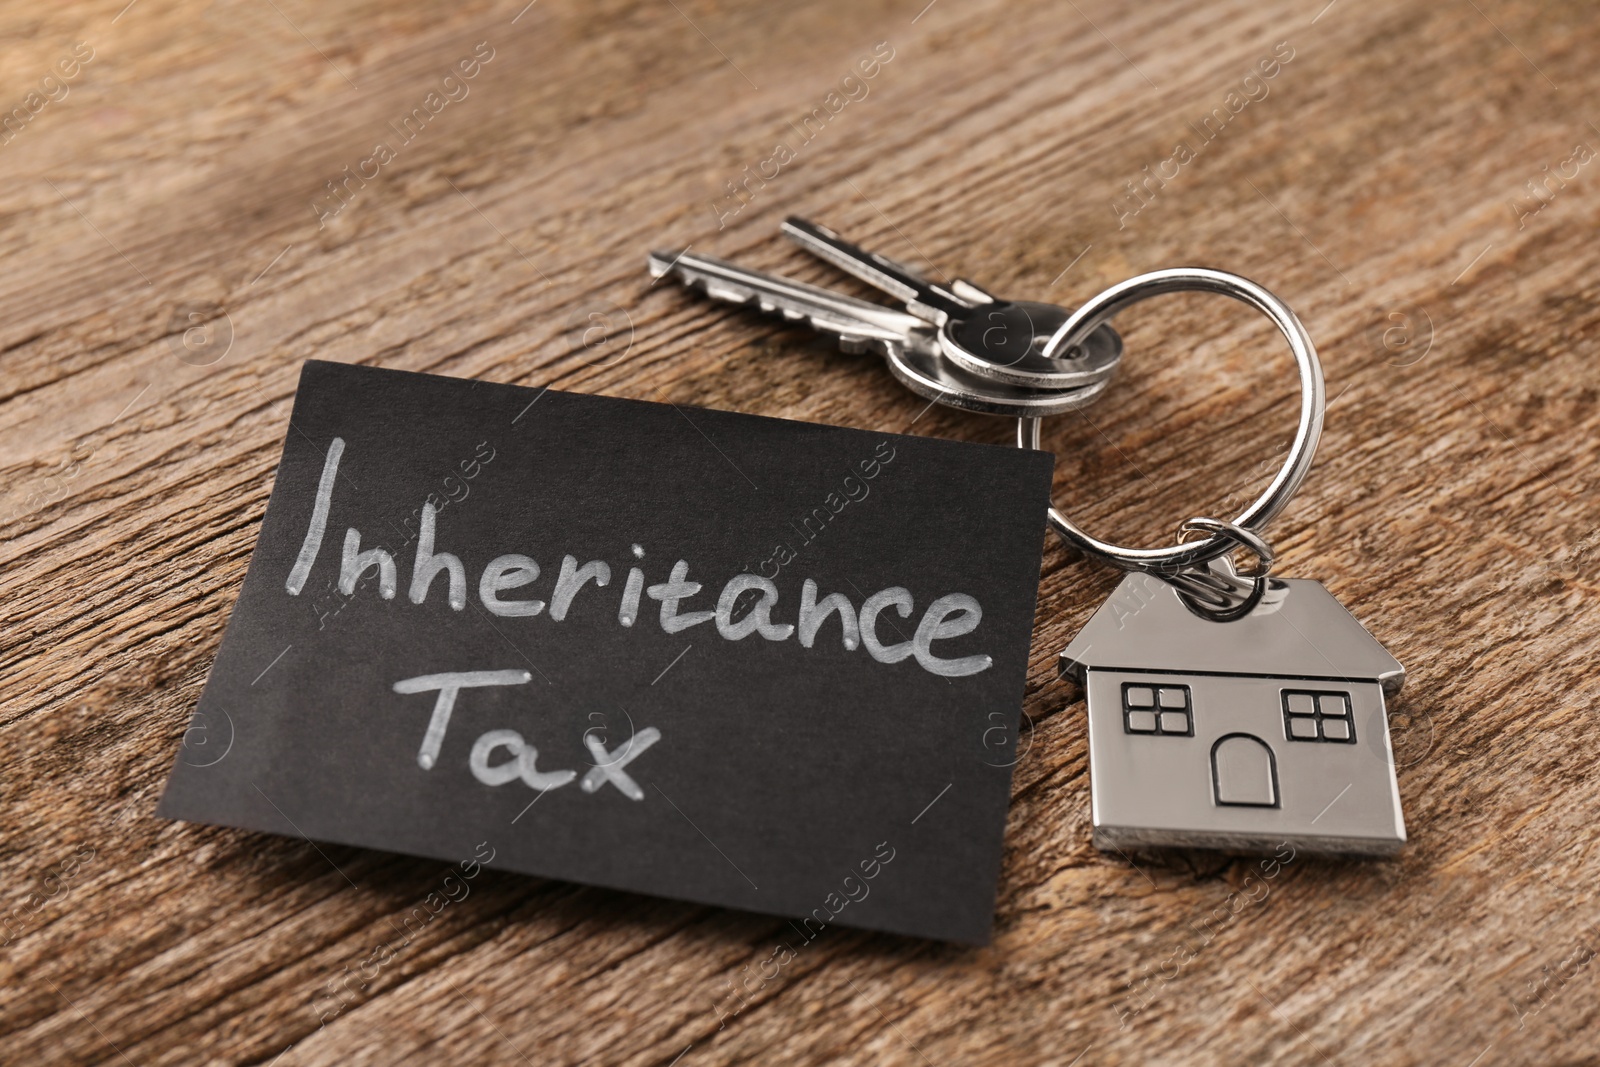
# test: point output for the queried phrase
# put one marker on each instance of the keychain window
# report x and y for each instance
(1318, 716)
(1157, 709)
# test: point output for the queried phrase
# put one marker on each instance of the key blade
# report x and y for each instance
(857, 323)
(926, 299)
(971, 293)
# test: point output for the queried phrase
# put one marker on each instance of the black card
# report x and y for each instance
(744, 661)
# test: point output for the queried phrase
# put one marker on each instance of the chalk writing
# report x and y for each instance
(447, 686)
(454, 487)
(946, 618)
(608, 766)
(521, 765)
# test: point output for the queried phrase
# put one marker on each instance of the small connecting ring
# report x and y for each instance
(1242, 537)
(1189, 556)
(1217, 590)
(1217, 593)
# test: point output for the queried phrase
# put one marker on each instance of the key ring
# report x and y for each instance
(941, 381)
(1187, 556)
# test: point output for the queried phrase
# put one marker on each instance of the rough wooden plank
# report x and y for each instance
(1452, 506)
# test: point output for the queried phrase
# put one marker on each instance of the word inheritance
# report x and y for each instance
(735, 615)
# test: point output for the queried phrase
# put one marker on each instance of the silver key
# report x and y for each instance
(923, 298)
(988, 337)
(859, 325)
(907, 342)
(914, 342)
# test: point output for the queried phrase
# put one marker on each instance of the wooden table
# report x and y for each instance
(173, 249)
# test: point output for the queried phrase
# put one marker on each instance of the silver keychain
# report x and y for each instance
(1226, 709)
(954, 344)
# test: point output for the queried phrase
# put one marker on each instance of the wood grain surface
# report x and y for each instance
(1378, 181)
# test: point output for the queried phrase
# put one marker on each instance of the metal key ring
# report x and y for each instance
(929, 375)
(1296, 465)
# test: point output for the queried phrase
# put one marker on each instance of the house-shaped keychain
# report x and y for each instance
(1241, 734)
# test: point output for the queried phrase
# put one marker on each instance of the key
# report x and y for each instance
(985, 336)
(909, 343)
(923, 298)
(859, 325)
